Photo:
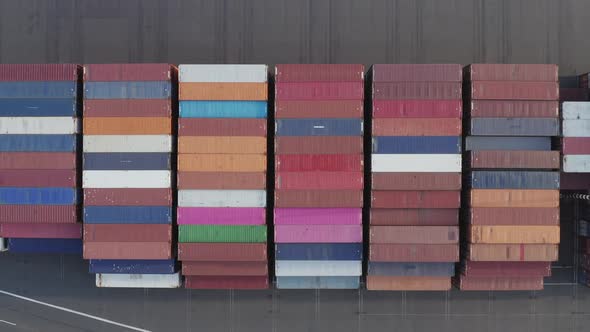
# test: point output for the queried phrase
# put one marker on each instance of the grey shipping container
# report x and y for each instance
(411, 269)
(514, 127)
(507, 143)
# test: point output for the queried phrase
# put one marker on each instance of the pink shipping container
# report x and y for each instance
(221, 216)
(127, 72)
(500, 90)
(417, 108)
(315, 162)
(319, 180)
(39, 72)
(313, 216)
(320, 91)
(318, 233)
(512, 72)
(38, 214)
(414, 234)
(43, 231)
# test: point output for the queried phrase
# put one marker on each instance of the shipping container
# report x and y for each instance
(221, 162)
(224, 269)
(218, 91)
(417, 90)
(515, 159)
(127, 143)
(39, 72)
(575, 145)
(412, 199)
(319, 72)
(512, 72)
(574, 181)
(417, 73)
(576, 164)
(475, 143)
(127, 90)
(66, 107)
(128, 266)
(514, 109)
(417, 144)
(38, 178)
(126, 179)
(38, 196)
(38, 214)
(319, 145)
(414, 217)
(319, 180)
(112, 280)
(127, 126)
(222, 198)
(127, 196)
(334, 90)
(221, 127)
(318, 198)
(227, 252)
(47, 246)
(513, 90)
(414, 234)
(575, 110)
(317, 216)
(114, 72)
(513, 234)
(37, 160)
(427, 163)
(126, 161)
(500, 283)
(127, 250)
(417, 108)
(221, 216)
(576, 128)
(38, 90)
(221, 180)
(513, 180)
(514, 127)
(127, 108)
(222, 233)
(42, 231)
(222, 144)
(411, 269)
(127, 233)
(319, 251)
(514, 198)
(319, 127)
(413, 252)
(318, 234)
(247, 109)
(574, 94)
(416, 181)
(506, 269)
(348, 282)
(226, 282)
(321, 162)
(514, 216)
(223, 73)
(416, 127)
(127, 214)
(511, 252)
(319, 109)
(38, 143)
(387, 283)
(306, 268)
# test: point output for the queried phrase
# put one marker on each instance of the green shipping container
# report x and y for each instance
(221, 233)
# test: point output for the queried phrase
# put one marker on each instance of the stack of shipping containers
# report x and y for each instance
(415, 175)
(39, 199)
(127, 174)
(512, 197)
(222, 165)
(318, 175)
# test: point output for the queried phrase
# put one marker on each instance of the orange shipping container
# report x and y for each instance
(223, 91)
(417, 127)
(512, 252)
(408, 283)
(514, 198)
(221, 163)
(222, 144)
(514, 234)
(127, 126)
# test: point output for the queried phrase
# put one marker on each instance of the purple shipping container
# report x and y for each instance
(320, 91)
(221, 216)
(39, 72)
(417, 73)
(318, 233)
(416, 90)
(312, 216)
(512, 72)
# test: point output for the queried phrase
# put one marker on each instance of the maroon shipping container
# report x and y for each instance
(575, 145)
(415, 253)
(583, 80)
(221, 180)
(314, 162)
(416, 181)
(38, 214)
(128, 196)
(512, 72)
(417, 127)
(500, 283)
(221, 127)
(318, 109)
(318, 145)
(127, 233)
(319, 72)
(127, 72)
(410, 108)
(416, 199)
(226, 252)
(574, 181)
(224, 269)
(225, 282)
(414, 234)
(515, 159)
(514, 90)
(416, 90)
(37, 160)
(514, 109)
(39, 72)
(414, 217)
(320, 91)
(514, 216)
(127, 250)
(574, 94)
(417, 73)
(319, 180)
(127, 108)
(41, 231)
(506, 269)
(318, 198)
(38, 178)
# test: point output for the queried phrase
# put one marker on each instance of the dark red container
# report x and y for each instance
(127, 72)
(318, 109)
(500, 283)
(221, 180)
(416, 199)
(225, 282)
(514, 109)
(574, 181)
(575, 145)
(315, 162)
(574, 94)
(226, 252)
(224, 269)
(38, 178)
(127, 250)
(320, 91)
(414, 234)
(318, 145)
(417, 127)
(41, 231)
(512, 72)
(515, 159)
(127, 108)
(416, 181)
(506, 269)
(38, 214)
(318, 198)
(221, 127)
(500, 90)
(413, 253)
(414, 217)
(128, 196)
(37, 160)
(319, 180)
(417, 73)
(127, 233)
(39, 72)
(416, 90)
(584, 80)
(409, 108)
(319, 72)
(514, 216)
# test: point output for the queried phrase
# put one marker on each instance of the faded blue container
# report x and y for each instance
(127, 215)
(319, 127)
(475, 143)
(417, 144)
(43, 196)
(38, 89)
(223, 109)
(49, 246)
(126, 161)
(37, 143)
(127, 266)
(514, 127)
(127, 90)
(38, 107)
(514, 180)
(319, 251)
(411, 269)
(318, 282)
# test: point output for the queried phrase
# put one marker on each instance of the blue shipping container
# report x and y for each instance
(319, 251)
(128, 214)
(127, 90)
(42, 196)
(478, 143)
(127, 161)
(417, 144)
(514, 127)
(40, 89)
(411, 269)
(38, 107)
(127, 266)
(318, 282)
(223, 109)
(50, 246)
(319, 127)
(514, 180)
(37, 143)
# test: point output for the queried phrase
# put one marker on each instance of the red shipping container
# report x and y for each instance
(417, 73)
(318, 145)
(320, 91)
(39, 72)
(416, 90)
(414, 217)
(512, 72)
(514, 159)
(575, 145)
(225, 282)
(574, 181)
(506, 269)
(416, 181)
(226, 252)
(319, 72)
(500, 283)
(414, 234)
(221, 180)
(224, 269)
(514, 90)
(127, 233)
(319, 180)
(38, 178)
(514, 216)
(127, 108)
(417, 127)
(417, 108)
(416, 253)
(315, 162)
(221, 127)
(318, 198)
(41, 231)
(128, 196)
(37, 160)
(38, 214)
(127, 72)
(127, 250)
(514, 109)
(416, 199)
(318, 109)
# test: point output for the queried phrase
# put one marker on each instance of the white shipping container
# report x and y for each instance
(576, 128)
(416, 163)
(318, 268)
(223, 73)
(126, 179)
(576, 163)
(138, 280)
(2, 244)
(39, 125)
(222, 198)
(572, 110)
(127, 143)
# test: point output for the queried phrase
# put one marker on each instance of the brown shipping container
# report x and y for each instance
(414, 253)
(500, 283)
(221, 127)
(322, 109)
(416, 90)
(319, 72)
(224, 269)
(416, 199)
(221, 180)
(515, 159)
(127, 108)
(127, 72)
(225, 252)
(417, 73)
(38, 178)
(416, 181)
(505, 90)
(416, 127)
(414, 217)
(514, 216)
(318, 198)
(127, 126)
(222, 144)
(514, 109)
(512, 252)
(41, 214)
(512, 72)
(222, 162)
(414, 234)
(225, 282)
(514, 198)
(128, 196)
(387, 283)
(222, 91)
(127, 233)
(506, 269)
(37, 160)
(318, 145)
(513, 234)
(127, 250)
(39, 72)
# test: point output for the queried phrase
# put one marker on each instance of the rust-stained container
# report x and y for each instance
(314, 162)
(221, 127)
(222, 144)
(512, 72)
(513, 234)
(127, 233)
(414, 234)
(127, 72)
(224, 268)
(417, 127)
(41, 231)
(500, 283)
(514, 216)
(431, 72)
(416, 181)
(38, 178)
(318, 198)
(127, 126)
(416, 199)
(414, 217)
(320, 91)
(319, 180)
(223, 91)
(505, 90)
(515, 159)
(39, 72)
(514, 109)
(226, 252)
(127, 250)
(410, 108)
(127, 108)
(221, 163)
(387, 283)
(506, 269)
(514, 198)
(413, 252)
(319, 72)
(127, 196)
(512, 252)
(319, 145)
(416, 90)
(37, 160)
(221, 180)
(226, 282)
(42, 214)
(575, 145)
(318, 109)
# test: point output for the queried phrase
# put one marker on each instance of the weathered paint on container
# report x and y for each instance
(38, 125)
(224, 269)
(219, 91)
(506, 90)
(513, 180)
(38, 214)
(513, 234)
(317, 216)
(113, 72)
(127, 161)
(319, 251)
(576, 164)
(222, 144)
(226, 282)
(221, 180)
(416, 127)
(138, 280)
(37, 160)
(348, 282)
(38, 90)
(506, 269)
(222, 233)
(576, 128)
(417, 72)
(321, 162)
(222, 73)
(127, 196)
(221, 127)
(416, 199)
(423, 163)
(319, 109)
(319, 145)
(514, 216)
(475, 143)
(414, 234)
(127, 90)
(318, 234)
(227, 252)
(319, 72)
(42, 231)
(224, 109)
(417, 90)
(38, 196)
(222, 198)
(127, 250)
(221, 162)
(47, 246)
(127, 233)
(575, 145)
(40, 72)
(127, 108)
(413, 252)
(411, 269)
(417, 108)
(127, 143)
(307, 268)
(127, 126)
(127, 214)
(318, 198)
(514, 109)
(129, 266)
(319, 91)
(514, 198)
(515, 159)
(388, 283)
(512, 252)
(126, 179)
(496, 283)
(221, 216)
(514, 127)
(414, 217)
(575, 110)
(415, 181)
(512, 72)
(417, 144)
(38, 178)
(38, 143)
(319, 180)
(319, 127)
